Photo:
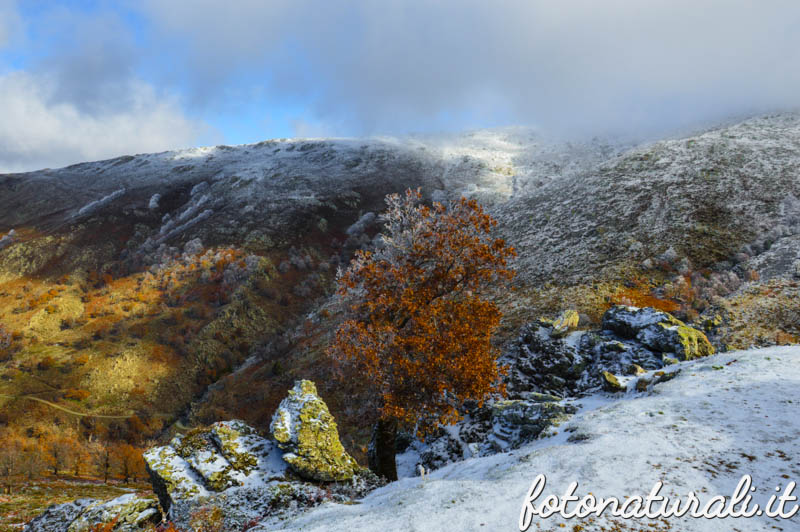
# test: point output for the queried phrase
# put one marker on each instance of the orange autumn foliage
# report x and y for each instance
(417, 321)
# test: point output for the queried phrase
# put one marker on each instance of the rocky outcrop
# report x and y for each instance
(129, 513)
(516, 422)
(205, 461)
(202, 462)
(632, 340)
(551, 362)
(658, 331)
(230, 467)
(501, 426)
(306, 431)
(566, 322)
(611, 383)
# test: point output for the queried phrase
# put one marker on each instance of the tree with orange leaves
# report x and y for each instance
(417, 320)
(130, 463)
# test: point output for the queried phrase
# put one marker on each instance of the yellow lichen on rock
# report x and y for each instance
(305, 429)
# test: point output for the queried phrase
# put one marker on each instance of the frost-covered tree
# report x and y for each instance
(418, 322)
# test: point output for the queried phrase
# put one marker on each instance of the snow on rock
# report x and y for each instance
(7, 239)
(131, 512)
(230, 466)
(722, 417)
(58, 516)
(102, 202)
(657, 330)
(248, 452)
(549, 364)
(154, 200)
(204, 461)
(172, 477)
(307, 432)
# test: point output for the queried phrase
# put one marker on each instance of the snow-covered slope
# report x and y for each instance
(730, 189)
(723, 417)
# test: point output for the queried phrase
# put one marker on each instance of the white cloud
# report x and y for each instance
(37, 131)
(582, 65)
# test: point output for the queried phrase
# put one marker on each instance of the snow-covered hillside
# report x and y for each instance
(722, 417)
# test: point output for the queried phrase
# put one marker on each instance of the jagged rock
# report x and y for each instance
(567, 321)
(676, 337)
(231, 467)
(498, 427)
(228, 454)
(516, 422)
(611, 383)
(627, 321)
(307, 432)
(58, 516)
(442, 451)
(635, 369)
(172, 477)
(131, 512)
(542, 363)
(658, 331)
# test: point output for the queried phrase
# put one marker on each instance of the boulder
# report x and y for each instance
(610, 382)
(230, 469)
(307, 433)
(687, 343)
(129, 513)
(626, 321)
(207, 460)
(58, 517)
(658, 331)
(517, 422)
(542, 363)
(635, 369)
(567, 321)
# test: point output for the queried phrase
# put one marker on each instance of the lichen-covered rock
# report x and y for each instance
(58, 516)
(204, 461)
(635, 369)
(230, 469)
(129, 512)
(610, 382)
(567, 321)
(658, 331)
(171, 476)
(676, 337)
(201, 453)
(307, 432)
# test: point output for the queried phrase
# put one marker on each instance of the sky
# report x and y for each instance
(92, 79)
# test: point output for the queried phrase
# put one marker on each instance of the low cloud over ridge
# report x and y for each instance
(576, 67)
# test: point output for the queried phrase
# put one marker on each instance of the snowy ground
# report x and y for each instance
(723, 417)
